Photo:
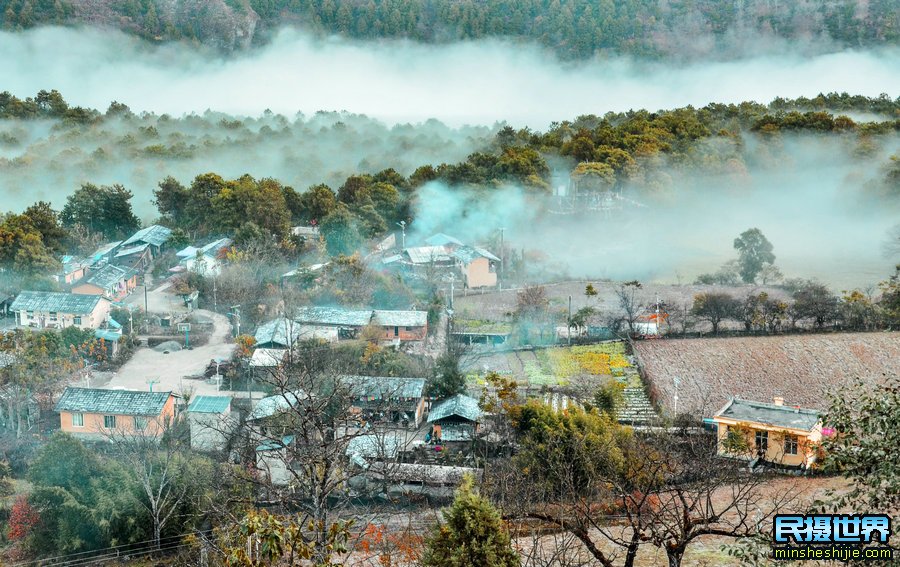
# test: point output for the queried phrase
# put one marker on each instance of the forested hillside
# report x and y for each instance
(571, 28)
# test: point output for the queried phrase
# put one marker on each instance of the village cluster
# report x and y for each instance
(431, 439)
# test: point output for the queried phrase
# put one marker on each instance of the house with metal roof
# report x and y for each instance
(136, 257)
(387, 399)
(769, 432)
(56, 310)
(211, 422)
(402, 325)
(428, 255)
(478, 266)
(279, 403)
(73, 269)
(455, 419)
(333, 316)
(112, 282)
(284, 333)
(98, 413)
(205, 259)
(104, 253)
(154, 235)
(382, 446)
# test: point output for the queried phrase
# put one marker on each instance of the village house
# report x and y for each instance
(204, 260)
(112, 282)
(96, 413)
(136, 257)
(110, 334)
(769, 432)
(347, 322)
(104, 254)
(55, 310)
(444, 254)
(270, 429)
(73, 269)
(331, 324)
(477, 265)
(455, 419)
(211, 422)
(388, 400)
(267, 361)
(154, 237)
(285, 333)
(402, 325)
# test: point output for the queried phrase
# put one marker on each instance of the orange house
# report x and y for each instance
(770, 432)
(96, 413)
(112, 282)
(478, 266)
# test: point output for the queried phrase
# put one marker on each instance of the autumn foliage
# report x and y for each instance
(23, 518)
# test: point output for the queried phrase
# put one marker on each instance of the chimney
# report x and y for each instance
(779, 401)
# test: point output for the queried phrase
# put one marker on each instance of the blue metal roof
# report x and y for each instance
(51, 301)
(210, 404)
(121, 402)
(155, 234)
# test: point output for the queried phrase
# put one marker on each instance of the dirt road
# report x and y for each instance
(170, 370)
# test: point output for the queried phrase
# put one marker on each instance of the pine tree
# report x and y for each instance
(472, 534)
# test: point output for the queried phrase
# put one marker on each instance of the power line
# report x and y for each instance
(106, 550)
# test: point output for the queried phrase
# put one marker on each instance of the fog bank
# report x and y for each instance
(474, 82)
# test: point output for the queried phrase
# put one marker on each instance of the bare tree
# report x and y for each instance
(160, 460)
(323, 436)
(617, 490)
(630, 304)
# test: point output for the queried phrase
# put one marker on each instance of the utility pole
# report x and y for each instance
(215, 303)
(569, 323)
(236, 318)
(502, 256)
(402, 225)
(146, 303)
(151, 383)
(676, 379)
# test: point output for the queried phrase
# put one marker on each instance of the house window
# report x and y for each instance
(396, 331)
(762, 442)
(109, 421)
(408, 329)
(77, 420)
(53, 315)
(77, 320)
(790, 444)
(29, 314)
(140, 423)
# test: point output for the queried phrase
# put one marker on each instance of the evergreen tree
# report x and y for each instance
(472, 534)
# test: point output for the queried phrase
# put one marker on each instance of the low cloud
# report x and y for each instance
(398, 81)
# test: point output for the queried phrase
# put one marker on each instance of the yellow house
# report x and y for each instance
(770, 432)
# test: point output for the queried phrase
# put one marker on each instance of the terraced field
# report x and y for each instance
(559, 366)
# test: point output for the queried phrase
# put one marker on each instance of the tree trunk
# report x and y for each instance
(674, 556)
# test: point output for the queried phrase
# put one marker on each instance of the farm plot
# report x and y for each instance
(560, 366)
(802, 369)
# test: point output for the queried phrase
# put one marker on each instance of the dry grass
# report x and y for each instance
(803, 369)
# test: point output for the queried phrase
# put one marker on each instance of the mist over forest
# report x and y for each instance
(279, 279)
(280, 111)
(477, 82)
